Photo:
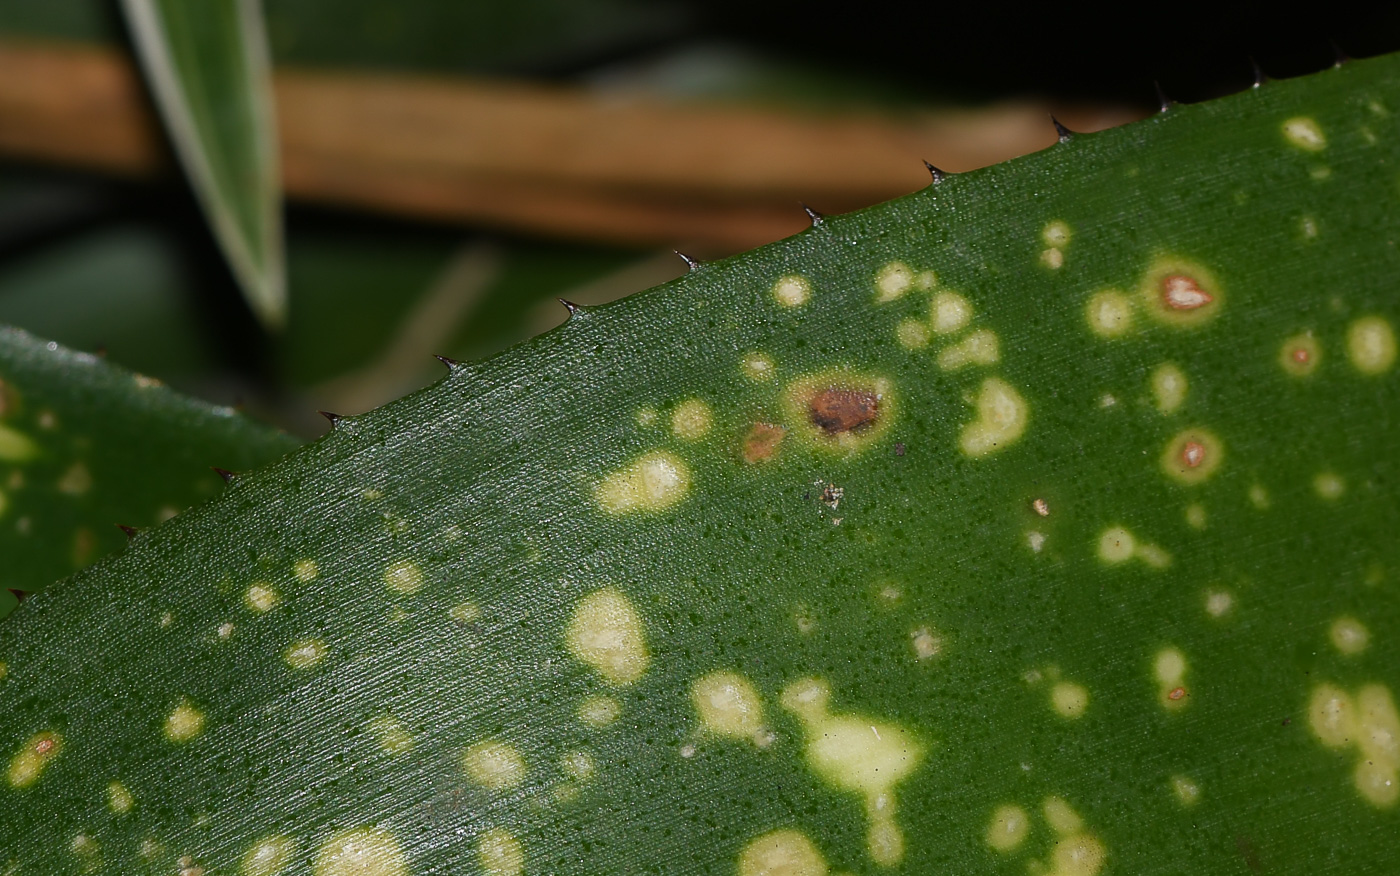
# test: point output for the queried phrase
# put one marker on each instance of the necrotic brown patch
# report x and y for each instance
(761, 443)
(838, 411)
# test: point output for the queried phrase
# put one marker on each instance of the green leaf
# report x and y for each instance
(208, 68)
(85, 446)
(1041, 521)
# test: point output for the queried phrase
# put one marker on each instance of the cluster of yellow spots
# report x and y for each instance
(184, 723)
(1192, 456)
(1076, 851)
(365, 851)
(1117, 545)
(1169, 387)
(1304, 133)
(499, 853)
(606, 633)
(857, 754)
(1174, 291)
(1056, 236)
(37, 752)
(728, 706)
(655, 481)
(1169, 670)
(1369, 722)
(1371, 345)
(782, 853)
(494, 765)
(896, 278)
(1349, 635)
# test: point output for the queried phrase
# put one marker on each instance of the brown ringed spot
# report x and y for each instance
(1176, 693)
(1300, 355)
(762, 441)
(835, 410)
(1179, 292)
(839, 410)
(1192, 456)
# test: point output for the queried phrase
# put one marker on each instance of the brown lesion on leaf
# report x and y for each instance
(835, 410)
(761, 443)
(1180, 292)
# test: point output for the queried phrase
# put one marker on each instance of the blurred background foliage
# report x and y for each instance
(454, 167)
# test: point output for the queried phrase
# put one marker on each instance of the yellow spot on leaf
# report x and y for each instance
(1110, 314)
(1052, 258)
(1328, 486)
(1371, 345)
(606, 633)
(365, 851)
(119, 799)
(653, 482)
(1186, 790)
(494, 765)
(261, 598)
(1304, 133)
(33, 757)
(404, 577)
(1196, 516)
(390, 735)
(15, 446)
(1056, 233)
(184, 722)
(1080, 855)
(499, 853)
(839, 411)
(757, 367)
(1168, 387)
(1192, 456)
(1009, 828)
(1001, 419)
(304, 653)
(1169, 667)
(1116, 545)
(268, 857)
(1300, 354)
(599, 711)
(893, 280)
(1061, 816)
(1069, 699)
(1332, 716)
(949, 312)
(792, 291)
(912, 334)
(925, 643)
(728, 705)
(1219, 603)
(978, 348)
(76, 481)
(691, 420)
(1349, 635)
(305, 570)
(782, 853)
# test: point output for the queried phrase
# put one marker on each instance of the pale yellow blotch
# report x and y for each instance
(757, 367)
(403, 576)
(304, 653)
(1329, 486)
(1308, 225)
(653, 482)
(578, 765)
(1079, 855)
(893, 280)
(365, 851)
(184, 722)
(1036, 541)
(1169, 386)
(1300, 354)
(1186, 790)
(1052, 258)
(1219, 603)
(1069, 699)
(1371, 345)
(1056, 233)
(978, 348)
(494, 765)
(792, 291)
(1001, 419)
(268, 857)
(1153, 555)
(949, 312)
(33, 757)
(1259, 497)
(1061, 816)
(781, 853)
(1009, 827)
(925, 280)
(1377, 775)
(15, 446)
(912, 334)
(1304, 133)
(727, 705)
(1110, 313)
(1169, 667)
(1116, 545)
(499, 853)
(1332, 716)
(1196, 516)
(1349, 635)
(857, 754)
(390, 735)
(119, 799)
(76, 480)
(925, 643)
(1192, 456)
(606, 633)
(647, 417)
(691, 420)
(261, 598)
(4, 670)
(305, 570)
(599, 711)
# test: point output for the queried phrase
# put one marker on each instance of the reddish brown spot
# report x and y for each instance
(1182, 292)
(44, 746)
(1301, 356)
(761, 443)
(838, 411)
(1177, 693)
(1193, 454)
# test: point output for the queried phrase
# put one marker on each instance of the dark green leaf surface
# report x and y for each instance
(208, 68)
(1042, 521)
(85, 446)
